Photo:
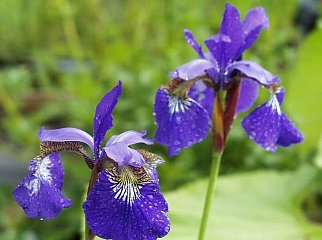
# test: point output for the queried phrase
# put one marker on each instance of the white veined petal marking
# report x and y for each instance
(177, 104)
(42, 172)
(127, 183)
(274, 104)
(33, 186)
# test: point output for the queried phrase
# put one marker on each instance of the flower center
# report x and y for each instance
(125, 185)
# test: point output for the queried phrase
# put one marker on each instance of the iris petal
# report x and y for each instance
(289, 134)
(103, 119)
(204, 95)
(254, 22)
(181, 123)
(192, 69)
(191, 40)
(39, 194)
(110, 215)
(248, 94)
(263, 124)
(231, 26)
(123, 155)
(254, 71)
(66, 135)
(217, 46)
(129, 138)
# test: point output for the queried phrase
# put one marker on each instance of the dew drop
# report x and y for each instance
(178, 120)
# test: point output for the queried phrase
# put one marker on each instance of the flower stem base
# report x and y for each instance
(216, 159)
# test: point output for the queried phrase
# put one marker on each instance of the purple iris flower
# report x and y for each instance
(124, 199)
(184, 108)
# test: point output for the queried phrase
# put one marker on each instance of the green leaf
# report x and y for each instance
(303, 98)
(263, 205)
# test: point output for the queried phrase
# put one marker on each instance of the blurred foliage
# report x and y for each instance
(248, 206)
(305, 89)
(58, 58)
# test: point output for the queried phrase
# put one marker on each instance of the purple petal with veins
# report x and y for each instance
(232, 27)
(191, 40)
(204, 95)
(263, 124)
(254, 22)
(217, 46)
(39, 194)
(181, 122)
(103, 119)
(289, 134)
(126, 210)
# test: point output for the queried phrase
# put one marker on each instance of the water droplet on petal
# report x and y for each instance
(178, 120)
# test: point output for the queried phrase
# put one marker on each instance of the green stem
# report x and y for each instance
(216, 158)
(86, 235)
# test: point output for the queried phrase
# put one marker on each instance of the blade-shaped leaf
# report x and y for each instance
(251, 206)
(303, 96)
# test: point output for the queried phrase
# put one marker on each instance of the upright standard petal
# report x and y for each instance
(191, 40)
(231, 26)
(254, 22)
(103, 119)
(181, 122)
(66, 135)
(217, 46)
(254, 71)
(248, 94)
(263, 124)
(39, 194)
(125, 206)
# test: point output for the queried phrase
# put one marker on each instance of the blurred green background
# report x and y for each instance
(58, 58)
